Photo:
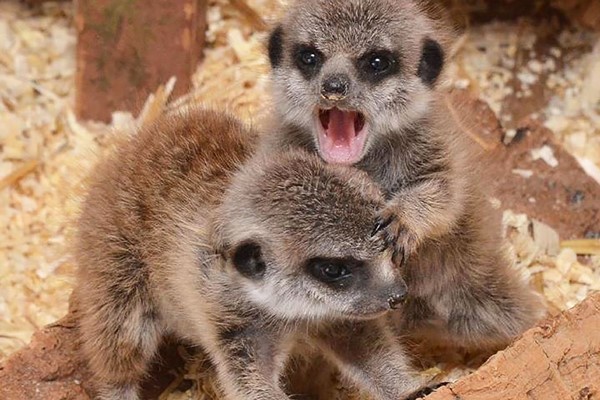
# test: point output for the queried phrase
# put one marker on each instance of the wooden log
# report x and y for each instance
(48, 369)
(558, 360)
(127, 48)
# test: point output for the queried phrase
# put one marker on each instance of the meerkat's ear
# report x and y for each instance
(276, 46)
(432, 61)
(247, 258)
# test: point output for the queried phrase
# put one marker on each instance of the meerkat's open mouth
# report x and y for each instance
(342, 135)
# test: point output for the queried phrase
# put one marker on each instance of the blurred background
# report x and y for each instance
(524, 66)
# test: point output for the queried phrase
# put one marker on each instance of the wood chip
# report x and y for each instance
(20, 173)
(546, 238)
(546, 154)
(250, 14)
(584, 246)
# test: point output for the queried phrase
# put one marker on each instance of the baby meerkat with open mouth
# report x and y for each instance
(356, 81)
(183, 233)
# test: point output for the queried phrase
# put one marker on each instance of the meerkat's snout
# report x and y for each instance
(396, 300)
(335, 87)
(396, 292)
(383, 289)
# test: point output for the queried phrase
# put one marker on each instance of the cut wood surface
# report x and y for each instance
(558, 360)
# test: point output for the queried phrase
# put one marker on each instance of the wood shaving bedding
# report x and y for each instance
(37, 64)
(551, 72)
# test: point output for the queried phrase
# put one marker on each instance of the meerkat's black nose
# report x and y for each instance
(335, 87)
(396, 300)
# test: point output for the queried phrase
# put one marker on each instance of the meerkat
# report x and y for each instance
(357, 81)
(183, 232)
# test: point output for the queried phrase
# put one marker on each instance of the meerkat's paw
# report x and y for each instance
(426, 391)
(395, 234)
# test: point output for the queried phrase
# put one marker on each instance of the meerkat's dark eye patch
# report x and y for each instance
(377, 65)
(248, 260)
(308, 60)
(432, 62)
(335, 272)
(276, 47)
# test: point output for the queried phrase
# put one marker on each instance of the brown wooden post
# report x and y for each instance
(127, 48)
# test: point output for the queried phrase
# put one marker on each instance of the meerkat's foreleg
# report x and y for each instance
(249, 362)
(120, 336)
(369, 355)
(422, 210)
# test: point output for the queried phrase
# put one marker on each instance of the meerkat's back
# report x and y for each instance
(188, 153)
(191, 154)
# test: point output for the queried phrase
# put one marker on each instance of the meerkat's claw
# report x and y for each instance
(382, 234)
(396, 235)
(381, 223)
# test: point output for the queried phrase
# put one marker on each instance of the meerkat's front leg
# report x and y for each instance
(426, 209)
(249, 361)
(369, 355)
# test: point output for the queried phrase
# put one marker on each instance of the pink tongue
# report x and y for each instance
(341, 127)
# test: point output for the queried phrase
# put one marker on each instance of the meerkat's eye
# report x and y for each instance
(333, 272)
(377, 65)
(309, 57)
(308, 60)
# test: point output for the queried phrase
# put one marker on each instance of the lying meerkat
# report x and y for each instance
(177, 237)
(356, 81)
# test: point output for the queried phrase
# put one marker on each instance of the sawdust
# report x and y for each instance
(526, 69)
(36, 69)
(45, 154)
